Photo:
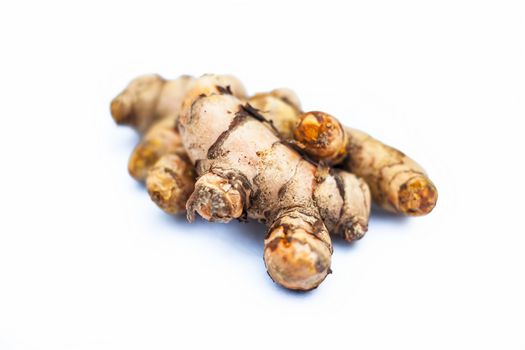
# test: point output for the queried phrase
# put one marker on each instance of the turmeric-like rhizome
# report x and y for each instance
(208, 148)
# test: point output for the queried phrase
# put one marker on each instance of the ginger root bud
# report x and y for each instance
(321, 136)
(294, 256)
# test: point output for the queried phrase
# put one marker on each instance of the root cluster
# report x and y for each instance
(208, 148)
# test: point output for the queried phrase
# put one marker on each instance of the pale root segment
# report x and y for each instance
(247, 171)
(170, 182)
(147, 99)
(212, 84)
(162, 138)
(398, 183)
(151, 105)
(347, 214)
(280, 107)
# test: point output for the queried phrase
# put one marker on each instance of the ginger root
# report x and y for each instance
(398, 184)
(247, 171)
(303, 174)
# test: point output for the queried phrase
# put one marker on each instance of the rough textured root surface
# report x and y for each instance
(161, 139)
(148, 99)
(170, 182)
(344, 202)
(347, 212)
(321, 136)
(215, 198)
(280, 107)
(246, 169)
(397, 183)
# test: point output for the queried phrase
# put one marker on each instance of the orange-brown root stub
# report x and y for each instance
(215, 199)
(294, 256)
(161, 139)
(397, 183)
(417, 196)
(321, 136)
(170, 182)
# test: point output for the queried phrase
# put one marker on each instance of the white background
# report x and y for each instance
(88, 262)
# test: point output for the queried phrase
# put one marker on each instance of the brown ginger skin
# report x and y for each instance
(246, 170)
